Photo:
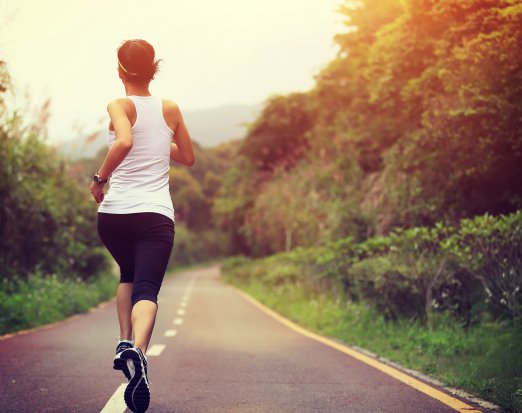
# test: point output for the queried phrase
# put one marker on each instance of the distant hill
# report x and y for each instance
(208, 127)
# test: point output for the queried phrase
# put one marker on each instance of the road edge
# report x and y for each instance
(410, 377)
(97, 307)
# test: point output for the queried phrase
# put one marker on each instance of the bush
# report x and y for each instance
(41, 299)
(191, 247)
(491, 249)
(47, 222)
(412, 273)
(237, 268)
(393, 287)
(283, 273)
(382, 282)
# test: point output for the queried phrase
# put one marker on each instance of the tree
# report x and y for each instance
(277, 138)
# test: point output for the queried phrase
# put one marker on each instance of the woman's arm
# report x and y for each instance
(123, 144)
(119, 149)
(181, 149)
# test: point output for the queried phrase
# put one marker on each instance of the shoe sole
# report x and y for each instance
(120, 364)
(137, 393)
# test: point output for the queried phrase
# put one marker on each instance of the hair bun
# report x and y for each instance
(137, 60)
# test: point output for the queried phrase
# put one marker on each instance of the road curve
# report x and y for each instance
(211, 351)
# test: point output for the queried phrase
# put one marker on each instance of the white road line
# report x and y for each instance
(155, 350)
(189, 287)
(183, 304)
(116, 403)
(178, 321)
(170, 333)
(181, 311)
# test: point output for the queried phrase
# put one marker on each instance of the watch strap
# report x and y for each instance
(96, 178)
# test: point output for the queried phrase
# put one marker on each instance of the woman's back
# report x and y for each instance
(141, 182)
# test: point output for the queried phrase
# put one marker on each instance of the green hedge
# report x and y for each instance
(473, 271)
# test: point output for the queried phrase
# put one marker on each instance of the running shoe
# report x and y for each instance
(137, 393)
(120, 364)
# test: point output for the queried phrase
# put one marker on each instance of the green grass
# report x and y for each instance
(485, 360)
(41, 300)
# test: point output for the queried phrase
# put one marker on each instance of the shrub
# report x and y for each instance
(47, 221)
(491, 249)
(41, 298)
(413, 273)
(237, 268)
(387, 285)
(192, 247)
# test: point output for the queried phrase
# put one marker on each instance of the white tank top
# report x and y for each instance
(141, 182)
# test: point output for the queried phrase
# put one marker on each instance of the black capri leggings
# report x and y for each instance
(141, 244)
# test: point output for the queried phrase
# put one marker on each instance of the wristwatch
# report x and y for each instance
(96, 178)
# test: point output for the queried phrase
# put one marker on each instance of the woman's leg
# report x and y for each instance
(115, 232)
(151, 256)
(143, 320)
(124, 306)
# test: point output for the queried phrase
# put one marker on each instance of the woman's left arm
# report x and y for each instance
(181, 149)
(119, 149)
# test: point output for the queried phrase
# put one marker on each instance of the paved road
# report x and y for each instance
(214, 352)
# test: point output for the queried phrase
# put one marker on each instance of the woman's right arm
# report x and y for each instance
(118, 150)
(181, 149)
(123, 143)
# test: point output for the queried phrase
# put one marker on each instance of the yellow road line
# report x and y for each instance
(452, 402)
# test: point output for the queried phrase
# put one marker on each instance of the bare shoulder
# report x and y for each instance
(123, 103)
(171, 107)
(172, 114)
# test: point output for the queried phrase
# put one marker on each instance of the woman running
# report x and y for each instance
(136, 217)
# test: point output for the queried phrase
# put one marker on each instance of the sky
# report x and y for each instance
(214, 52)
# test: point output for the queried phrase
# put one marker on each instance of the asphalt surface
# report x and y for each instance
(226, 355)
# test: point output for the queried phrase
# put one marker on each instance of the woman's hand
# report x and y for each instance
(97, 191)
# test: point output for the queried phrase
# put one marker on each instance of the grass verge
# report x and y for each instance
(485, 360)
(42, 300)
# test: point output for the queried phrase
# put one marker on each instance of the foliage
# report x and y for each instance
(195, 247)
(416, 121)
(187, 196)
(441, 299)
(43, 298)
(491, 249)
(51, 261)
(47, 223)
(483, 359)
(234, 198)
(470, 272)
(278, 137)
(5, 84)
(465, 157)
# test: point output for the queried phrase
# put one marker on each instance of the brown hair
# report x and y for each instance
(136, 61)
